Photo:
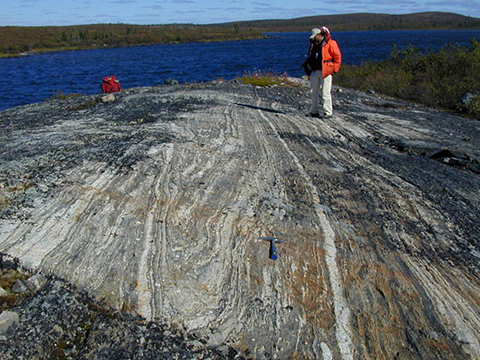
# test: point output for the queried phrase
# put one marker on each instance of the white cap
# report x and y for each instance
(315, 32)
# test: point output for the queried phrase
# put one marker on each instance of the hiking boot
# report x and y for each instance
(313, 115)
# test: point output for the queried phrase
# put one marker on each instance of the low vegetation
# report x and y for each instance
(15, 40)
(60, 95)
(8, 278)
(449, 78)
(259, 78)
(88, 103)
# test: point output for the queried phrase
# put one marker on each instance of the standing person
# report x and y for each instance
(325, 58)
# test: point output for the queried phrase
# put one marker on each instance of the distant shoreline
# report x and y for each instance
(264, 35)
(20, 41)
(63, 49)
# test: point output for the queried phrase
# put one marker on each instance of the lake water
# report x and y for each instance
(35, 78)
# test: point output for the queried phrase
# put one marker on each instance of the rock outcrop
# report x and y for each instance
(58, 321)
(153, 204)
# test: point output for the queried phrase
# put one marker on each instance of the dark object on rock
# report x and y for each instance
(8, 262)
(170, 82)
(456, 159)
(447, 157)
(390, 142)
(273, 250)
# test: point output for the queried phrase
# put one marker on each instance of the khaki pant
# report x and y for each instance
(317, 83)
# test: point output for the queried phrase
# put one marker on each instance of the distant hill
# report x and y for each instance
(366, 21)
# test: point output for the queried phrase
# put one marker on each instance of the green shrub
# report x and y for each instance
(438, 79)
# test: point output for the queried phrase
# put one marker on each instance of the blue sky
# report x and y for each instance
(73, 12)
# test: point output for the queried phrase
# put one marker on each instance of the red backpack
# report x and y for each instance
(110, 84)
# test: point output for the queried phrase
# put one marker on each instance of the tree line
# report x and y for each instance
(15, 39)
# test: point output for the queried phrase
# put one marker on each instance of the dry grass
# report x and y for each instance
(259, 78)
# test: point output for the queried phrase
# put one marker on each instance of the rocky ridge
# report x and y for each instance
(56, 321)
(153, 204)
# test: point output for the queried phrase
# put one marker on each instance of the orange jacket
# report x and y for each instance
(331, 57)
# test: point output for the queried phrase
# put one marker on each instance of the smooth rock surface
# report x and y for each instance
(154, 203)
